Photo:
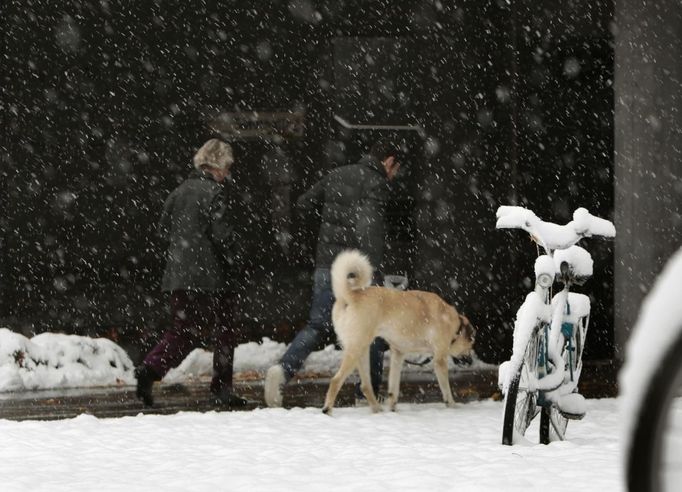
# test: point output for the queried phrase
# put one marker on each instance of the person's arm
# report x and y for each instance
(313, 198)
(370, 228)
(163, 228)
(221, 229)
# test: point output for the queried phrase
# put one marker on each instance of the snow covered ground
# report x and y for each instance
(421, 447)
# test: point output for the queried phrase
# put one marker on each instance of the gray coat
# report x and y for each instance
(196, 223)
(353, 200)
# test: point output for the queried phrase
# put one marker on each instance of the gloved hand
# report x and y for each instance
(395, 282)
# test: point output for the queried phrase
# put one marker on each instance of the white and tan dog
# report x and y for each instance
(410, 321)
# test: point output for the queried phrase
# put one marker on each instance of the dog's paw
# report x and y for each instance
(450, 404)
(327, 411)
(377, 409)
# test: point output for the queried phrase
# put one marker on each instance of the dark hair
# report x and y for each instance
(383, 148)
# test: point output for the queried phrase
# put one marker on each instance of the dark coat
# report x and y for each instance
(353, 200)
(196, 223)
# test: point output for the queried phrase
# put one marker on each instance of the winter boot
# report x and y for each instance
(145, 381)
(275, 380)
(361, 401)
(228, 400)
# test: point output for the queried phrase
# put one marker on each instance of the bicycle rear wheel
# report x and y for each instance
(552, 423)
(520, 403)
(654, 460)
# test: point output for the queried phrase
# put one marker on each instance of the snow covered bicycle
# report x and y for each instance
(651, 384)
(549, 332)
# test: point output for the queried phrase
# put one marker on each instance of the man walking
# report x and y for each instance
(353, 202)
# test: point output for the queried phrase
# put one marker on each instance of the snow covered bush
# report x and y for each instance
(52, 360)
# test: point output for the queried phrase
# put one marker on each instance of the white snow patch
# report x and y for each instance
(53, 360)
(419, 447)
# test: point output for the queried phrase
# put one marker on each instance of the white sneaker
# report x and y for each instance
(274, 382)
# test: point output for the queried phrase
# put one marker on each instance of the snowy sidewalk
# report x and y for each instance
(419, 447)
(54, 376)
(598, 381)
(171, 398)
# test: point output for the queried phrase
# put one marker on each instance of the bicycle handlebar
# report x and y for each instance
(550, 235)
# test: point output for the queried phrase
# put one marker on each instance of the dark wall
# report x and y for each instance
(104, 106)
(648, 146)
(564, 119)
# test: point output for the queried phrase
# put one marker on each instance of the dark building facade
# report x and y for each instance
(648, 150)
(103, 106)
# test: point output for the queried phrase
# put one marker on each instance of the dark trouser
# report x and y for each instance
(320, 331)
(376, 364)
(198, 316)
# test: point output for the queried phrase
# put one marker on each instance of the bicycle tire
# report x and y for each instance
(520, 404)
(644, 455)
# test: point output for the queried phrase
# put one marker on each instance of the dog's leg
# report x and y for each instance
(397, 359)
(348, 363)
(440, 366)
(366, 381)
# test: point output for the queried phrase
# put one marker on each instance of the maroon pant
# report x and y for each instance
(198, 318)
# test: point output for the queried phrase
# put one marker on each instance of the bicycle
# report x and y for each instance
(549, 332)
(651, 383)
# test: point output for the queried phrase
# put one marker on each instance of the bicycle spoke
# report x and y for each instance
(560, 433)
(521, 399)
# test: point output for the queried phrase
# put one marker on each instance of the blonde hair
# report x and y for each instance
(214, 153)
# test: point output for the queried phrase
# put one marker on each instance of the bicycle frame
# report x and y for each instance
(552, 380)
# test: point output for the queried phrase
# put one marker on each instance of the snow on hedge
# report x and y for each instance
(53, 360)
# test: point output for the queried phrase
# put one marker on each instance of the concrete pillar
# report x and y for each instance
(648, 150)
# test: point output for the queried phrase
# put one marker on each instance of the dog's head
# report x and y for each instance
(465, 336)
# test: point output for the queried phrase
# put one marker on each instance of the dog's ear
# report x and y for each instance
(466, 327)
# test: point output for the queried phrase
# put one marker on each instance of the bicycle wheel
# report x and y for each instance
(520, 403)
(552, 423)
(654, 460)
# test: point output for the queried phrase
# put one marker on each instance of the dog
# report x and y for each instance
(410, 321)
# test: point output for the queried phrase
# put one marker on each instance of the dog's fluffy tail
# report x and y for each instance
(351, 271)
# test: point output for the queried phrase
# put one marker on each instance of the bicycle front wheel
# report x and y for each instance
(520, 403)
(654, 461)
